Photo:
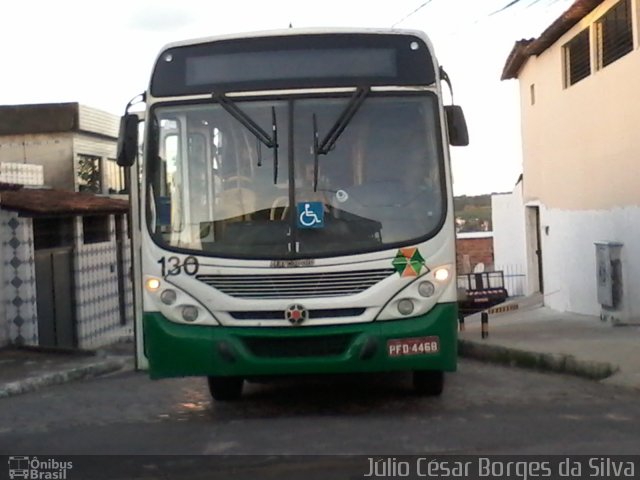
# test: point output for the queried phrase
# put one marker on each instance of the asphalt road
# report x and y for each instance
(484, 409)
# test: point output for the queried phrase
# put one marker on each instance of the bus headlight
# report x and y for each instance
(168, 296)
(426, 289)
(175, 303)
(189, 313)
(421, 295)
(405, 306)
(152, 284)
(441, 274)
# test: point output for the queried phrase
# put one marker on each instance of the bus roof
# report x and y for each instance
(268, 60)
(297, 31)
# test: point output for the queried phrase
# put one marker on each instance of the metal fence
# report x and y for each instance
(481, 280)
(515, 279)
(510, 277)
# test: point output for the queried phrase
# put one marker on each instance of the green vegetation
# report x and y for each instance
(473, 213)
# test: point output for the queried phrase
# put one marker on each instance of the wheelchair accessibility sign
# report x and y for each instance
(310, 215)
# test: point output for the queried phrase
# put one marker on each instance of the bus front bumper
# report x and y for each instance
(176, 350)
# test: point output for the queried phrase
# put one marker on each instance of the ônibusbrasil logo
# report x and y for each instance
(38, 469)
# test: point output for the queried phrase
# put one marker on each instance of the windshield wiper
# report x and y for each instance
(250, 124)
(315, 153)
(343, 120)
(329, 141)
(274, 128)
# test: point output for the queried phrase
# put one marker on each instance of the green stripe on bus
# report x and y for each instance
(177, 349)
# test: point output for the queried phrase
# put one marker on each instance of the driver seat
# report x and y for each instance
(236, 202)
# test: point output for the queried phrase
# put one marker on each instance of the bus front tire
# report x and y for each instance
(225, 388)
(429, 383)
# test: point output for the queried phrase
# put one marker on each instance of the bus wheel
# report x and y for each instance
(225, 388)
(428, 382)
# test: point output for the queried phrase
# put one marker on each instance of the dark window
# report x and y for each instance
(52, 232)
(363, 196)
(293, 61)
(89, 174)
(95, 228)
(293, 64)
(615, 33)
(577, 59)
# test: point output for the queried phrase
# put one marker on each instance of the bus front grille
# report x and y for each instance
(320, 346)
(280, 314)
(298, 285)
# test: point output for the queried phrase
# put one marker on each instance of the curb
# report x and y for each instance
(550, 362)
(91, 370)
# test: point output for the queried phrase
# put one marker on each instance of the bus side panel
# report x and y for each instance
(194, 350)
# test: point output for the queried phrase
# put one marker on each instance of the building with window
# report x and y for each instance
(75, 144)
(64, 247)
(580, 111)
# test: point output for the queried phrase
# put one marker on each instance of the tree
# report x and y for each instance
(89, 174)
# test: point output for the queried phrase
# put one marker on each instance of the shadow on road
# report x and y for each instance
(348, 395)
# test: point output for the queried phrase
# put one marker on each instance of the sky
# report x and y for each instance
(100, 54)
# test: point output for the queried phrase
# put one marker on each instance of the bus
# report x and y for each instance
(291, 208)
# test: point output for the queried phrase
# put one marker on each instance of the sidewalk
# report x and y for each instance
(533, 336)
(29, 369)
(529, 336)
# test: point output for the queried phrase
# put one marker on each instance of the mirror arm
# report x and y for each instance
(140, 98)
(445, 78)
(127, 149)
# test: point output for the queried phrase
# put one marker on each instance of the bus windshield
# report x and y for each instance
(214, 188)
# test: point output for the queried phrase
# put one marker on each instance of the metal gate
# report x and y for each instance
(55, 299)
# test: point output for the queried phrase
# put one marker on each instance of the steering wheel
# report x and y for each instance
(238, 179)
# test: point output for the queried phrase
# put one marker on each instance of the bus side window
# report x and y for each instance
(170, 153)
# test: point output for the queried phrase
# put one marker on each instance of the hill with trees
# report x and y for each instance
(473, 213)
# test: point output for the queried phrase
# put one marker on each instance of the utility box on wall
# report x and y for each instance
(610, 282)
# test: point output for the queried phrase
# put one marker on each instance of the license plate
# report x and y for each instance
(399, 347)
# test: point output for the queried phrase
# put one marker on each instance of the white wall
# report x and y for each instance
(580, 158)
(569, 257)
(509, 249)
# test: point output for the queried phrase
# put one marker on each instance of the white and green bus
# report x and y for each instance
(292, 208)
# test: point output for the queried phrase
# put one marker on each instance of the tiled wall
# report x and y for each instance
(97, 306)
(22, 174)
(19, 324)
(97, 299)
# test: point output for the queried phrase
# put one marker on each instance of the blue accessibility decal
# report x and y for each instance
(310, 215)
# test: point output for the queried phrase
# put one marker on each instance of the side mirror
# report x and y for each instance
(128, 140)
(457, 126)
